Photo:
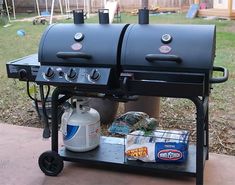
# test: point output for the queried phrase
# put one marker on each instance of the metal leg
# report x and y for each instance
(200, 140)
(206, 125)
(46, 131)
(54, 115)
(54, 119)
(206, 131)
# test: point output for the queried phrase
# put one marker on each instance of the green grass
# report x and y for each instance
(176, 19)
(12, 46)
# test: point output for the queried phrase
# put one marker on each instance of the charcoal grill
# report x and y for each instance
(121, 62)
(170, 60)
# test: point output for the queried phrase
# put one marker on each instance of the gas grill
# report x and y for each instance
(121, 62)
(86, 56)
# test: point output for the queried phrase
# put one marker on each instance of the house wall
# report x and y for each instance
(223, 4)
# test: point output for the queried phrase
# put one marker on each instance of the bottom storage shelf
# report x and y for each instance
(111, 153)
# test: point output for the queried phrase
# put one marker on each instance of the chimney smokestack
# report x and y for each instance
(143, 16)
(104, 16)
(78, 16)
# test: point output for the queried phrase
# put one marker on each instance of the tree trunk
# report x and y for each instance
(89, 6)
(144, 4)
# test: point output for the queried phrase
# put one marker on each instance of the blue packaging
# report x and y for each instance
(171, 152)
(171, 145)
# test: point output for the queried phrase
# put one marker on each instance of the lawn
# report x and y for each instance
(16, 108)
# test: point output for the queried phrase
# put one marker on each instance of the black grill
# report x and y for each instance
(139, 59)
(126, 60)
(122, 61)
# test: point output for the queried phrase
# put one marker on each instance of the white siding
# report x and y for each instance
(221, 4)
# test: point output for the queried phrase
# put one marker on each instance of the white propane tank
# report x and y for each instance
(80, 127)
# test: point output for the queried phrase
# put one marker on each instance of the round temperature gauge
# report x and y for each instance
(79, 36)
(166, 38)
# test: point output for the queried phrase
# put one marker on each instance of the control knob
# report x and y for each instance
(94, 74)
(72, 73)
(22, 74)
(49, 73)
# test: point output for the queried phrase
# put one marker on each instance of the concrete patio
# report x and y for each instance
(21, 146)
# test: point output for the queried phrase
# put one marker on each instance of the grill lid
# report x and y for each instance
(169, 47)
(81, 45)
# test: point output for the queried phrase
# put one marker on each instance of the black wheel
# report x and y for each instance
(50, 163)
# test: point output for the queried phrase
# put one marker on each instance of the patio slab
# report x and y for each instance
(21, 146)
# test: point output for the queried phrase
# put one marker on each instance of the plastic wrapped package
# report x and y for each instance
(131, 121)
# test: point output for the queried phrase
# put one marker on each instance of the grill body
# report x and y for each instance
(126, 60)
(175, 60)
(193, 44)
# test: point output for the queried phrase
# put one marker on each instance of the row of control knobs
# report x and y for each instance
(72, 74)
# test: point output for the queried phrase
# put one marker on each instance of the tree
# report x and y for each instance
(144, 4)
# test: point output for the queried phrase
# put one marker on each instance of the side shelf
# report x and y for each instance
(111, 153)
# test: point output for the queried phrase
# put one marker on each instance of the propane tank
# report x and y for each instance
(80, 127)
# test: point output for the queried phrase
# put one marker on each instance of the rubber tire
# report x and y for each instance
(50, 163)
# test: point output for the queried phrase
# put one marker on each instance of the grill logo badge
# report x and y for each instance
(76, 46)
(169, 155)
(165, 49)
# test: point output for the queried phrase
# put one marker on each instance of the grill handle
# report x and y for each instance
(222, 79)
(65, 55)
(162, 57)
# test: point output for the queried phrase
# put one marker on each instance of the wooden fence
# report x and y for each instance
(125, 5)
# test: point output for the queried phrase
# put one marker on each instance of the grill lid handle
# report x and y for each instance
(222, 79)
(162, 57)
(65, 55)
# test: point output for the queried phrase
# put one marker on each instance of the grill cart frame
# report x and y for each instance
(114, 158)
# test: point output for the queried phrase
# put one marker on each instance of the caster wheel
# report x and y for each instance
(50, 163)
